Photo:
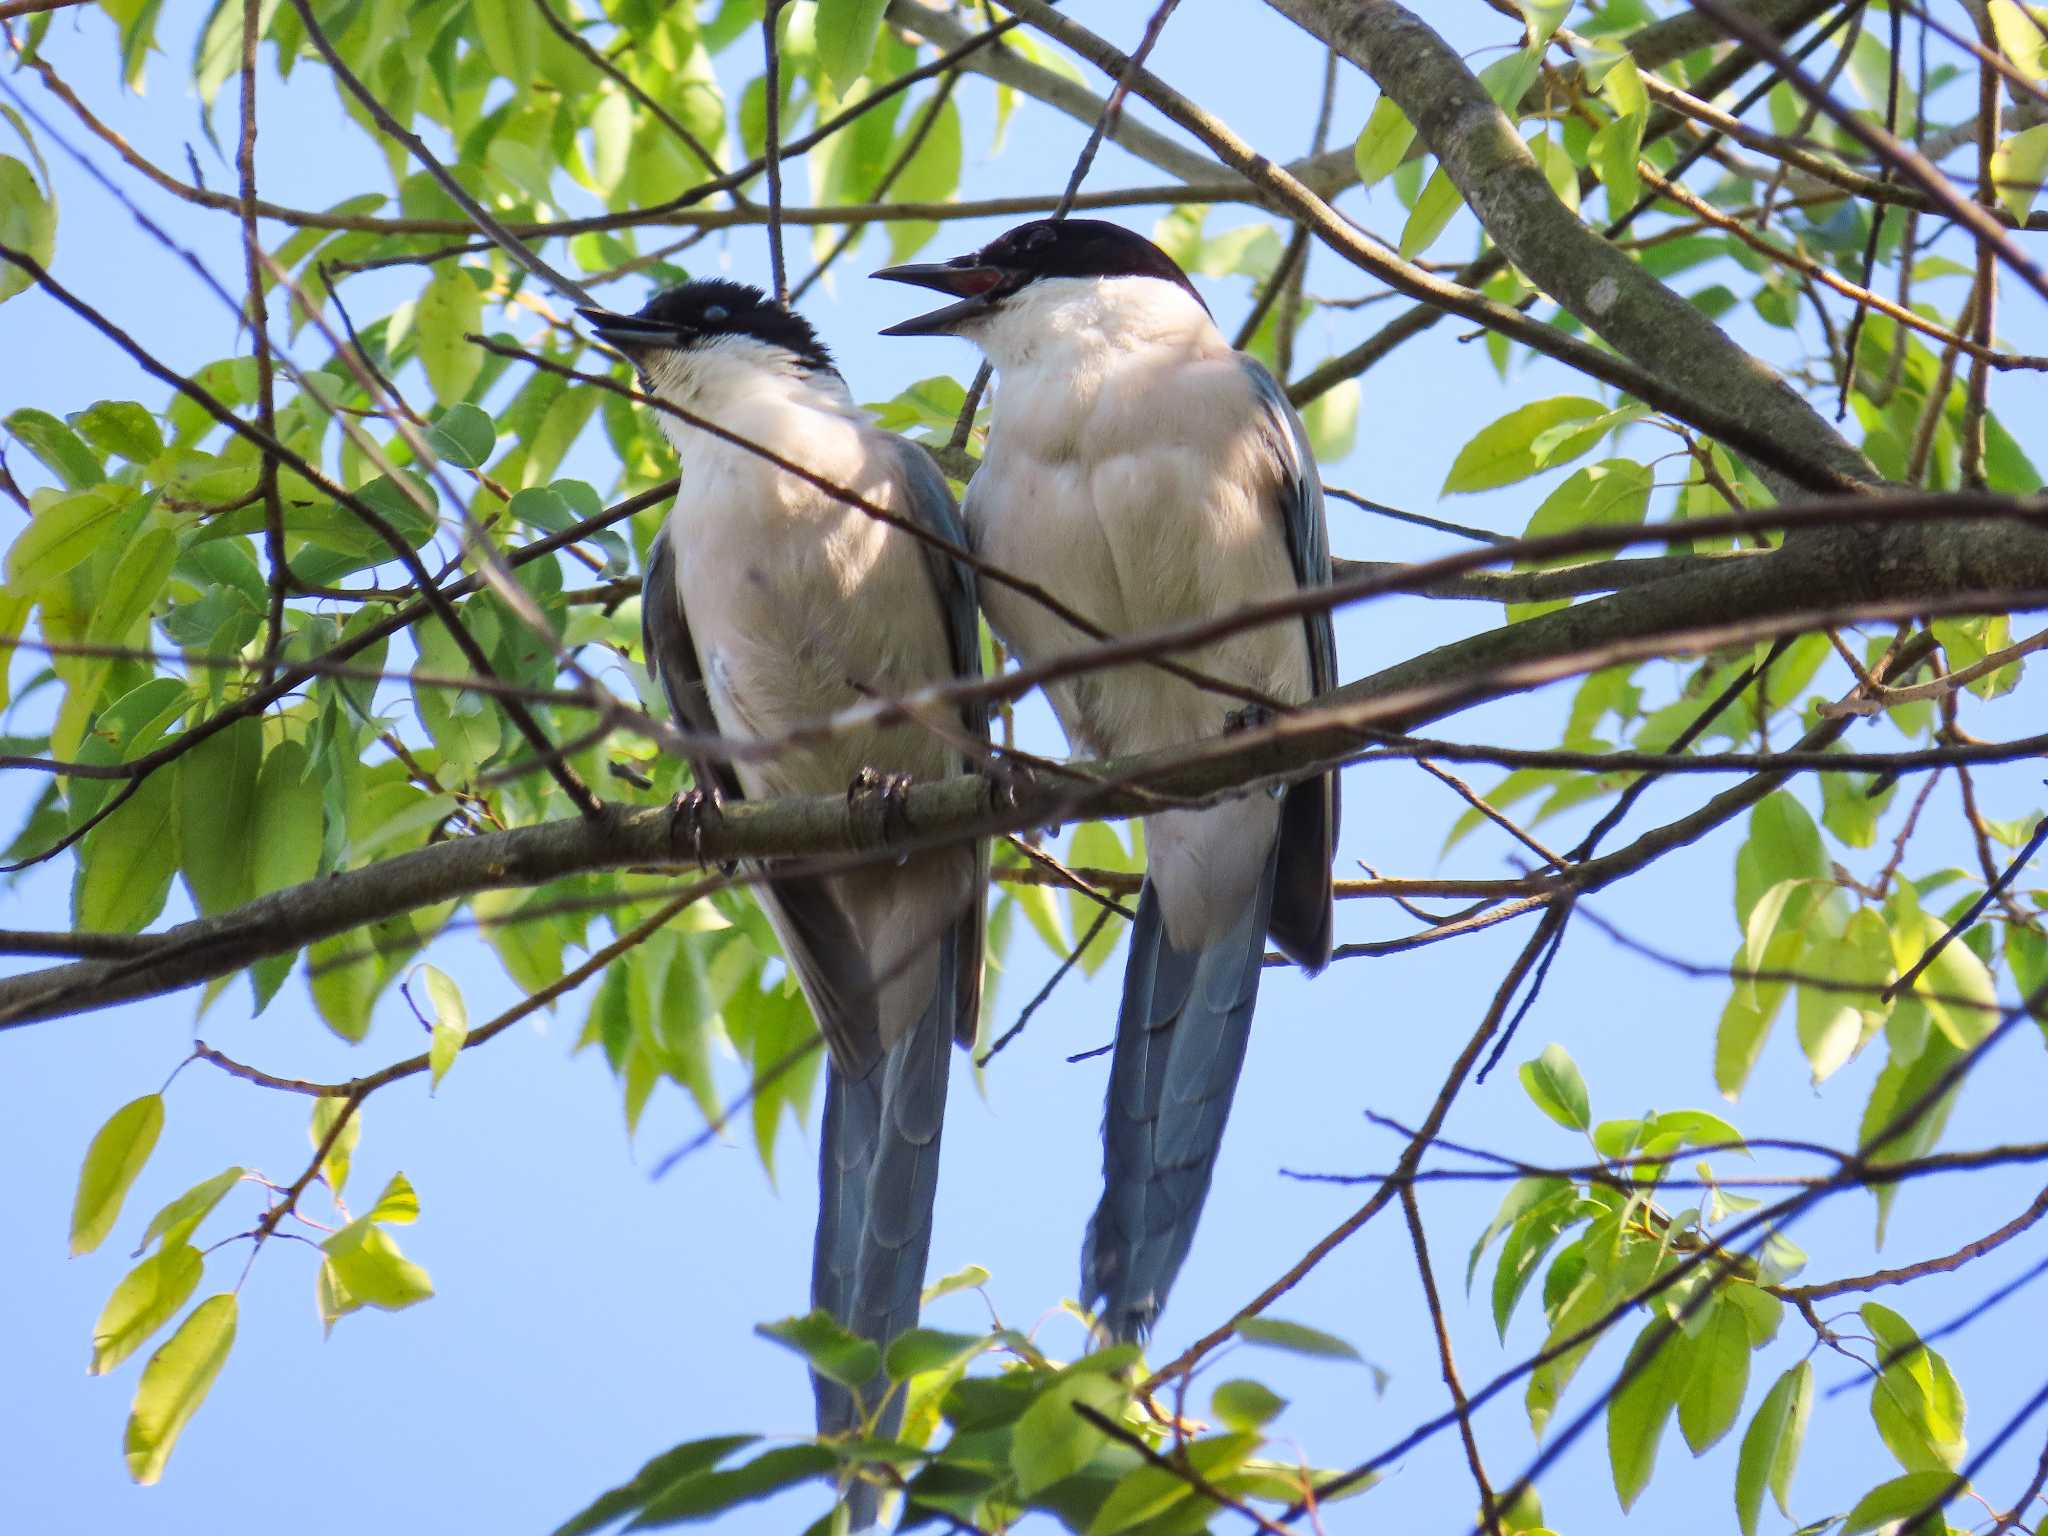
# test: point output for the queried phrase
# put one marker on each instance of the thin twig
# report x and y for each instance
(1489, 1515)
(771, 154)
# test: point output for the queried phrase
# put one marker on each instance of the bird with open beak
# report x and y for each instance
(1151, 475)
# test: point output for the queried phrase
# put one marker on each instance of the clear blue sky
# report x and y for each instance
(588, 1316)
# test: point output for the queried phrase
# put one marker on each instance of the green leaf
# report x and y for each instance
(510, 34)
(1544, 17)
(1523, 1195)
(1916, 1401)
(118, 1150)
(334, 1165)
(1384, 143)
(1295, 1338)
(960, 1280)
(1508, 78)
(1614, 153)
(175, 1383)
(1960, 994)
(121, 427)
(451, 1022)
(177, 1221)
(1621, 83)
(148, 1296)
(2027, 953)
(1771, 1445)
(284, 843)
(1783, 844)
(217, 798)
(918, 1350)
(1246, 1405)
(126, 863)
(847, 30)
(1615, 493)
(1528, 1240)
(1636, 1414)
(1503, 452)
(1894, 1501)
(365, 1269)
(670, 1467)
(932, 176)
(62, 451)
(1833, 1026)
(713, 1492)
(464, 724)
(399, 1203)
(834, 1351)
(1433, 211)
(2020, 38)
(2017, 168)
(28, 223)
(464, 435)
(449, 309)
(132, 587)
(1161, 1499)
(221, 45)
(1331, 421)
(1710, 1398)
(1095, 845)
(65, 531)
(1052, 1441)
(1552, 1081)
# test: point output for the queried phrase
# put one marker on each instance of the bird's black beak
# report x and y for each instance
(628, 334)
(976, 287)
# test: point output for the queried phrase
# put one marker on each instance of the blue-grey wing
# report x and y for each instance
(816, 938)
(930, 501)
(1302, 916)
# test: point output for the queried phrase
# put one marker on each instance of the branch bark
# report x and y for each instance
(1925, 565)
(1657, 329)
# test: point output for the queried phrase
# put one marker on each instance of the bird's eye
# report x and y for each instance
(716, 314)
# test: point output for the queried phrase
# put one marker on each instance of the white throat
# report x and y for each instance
(723, 379)
(1079, 321)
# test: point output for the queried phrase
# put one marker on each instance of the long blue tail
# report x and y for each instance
(878, 1172)
(1180, 1041)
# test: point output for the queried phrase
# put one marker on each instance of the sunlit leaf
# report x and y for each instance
(1553, 1083)
(112, 1160)
(148, 1296)
(175, 1383)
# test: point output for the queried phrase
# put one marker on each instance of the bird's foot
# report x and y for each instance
(889, 796)
(691, 813)
(1006, 784)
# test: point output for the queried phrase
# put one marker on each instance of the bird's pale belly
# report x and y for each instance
(1131, 581)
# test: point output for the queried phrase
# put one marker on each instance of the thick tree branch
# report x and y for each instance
(1656, 328)
(1924, 566)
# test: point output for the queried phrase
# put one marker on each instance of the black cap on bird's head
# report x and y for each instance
(982, 279)
(705, 312)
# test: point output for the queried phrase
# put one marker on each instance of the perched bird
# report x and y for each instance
(1149, 475)
(768, 604)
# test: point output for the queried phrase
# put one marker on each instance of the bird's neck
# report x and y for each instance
(735, 384)
(1080, 327)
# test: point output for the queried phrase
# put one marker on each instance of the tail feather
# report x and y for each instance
(1180, 1043)
(878, 1169)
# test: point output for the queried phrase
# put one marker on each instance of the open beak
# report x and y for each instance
(628, 334)
(975, 287)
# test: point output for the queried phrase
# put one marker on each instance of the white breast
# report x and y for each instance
(1127, 473)
(799, 604)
